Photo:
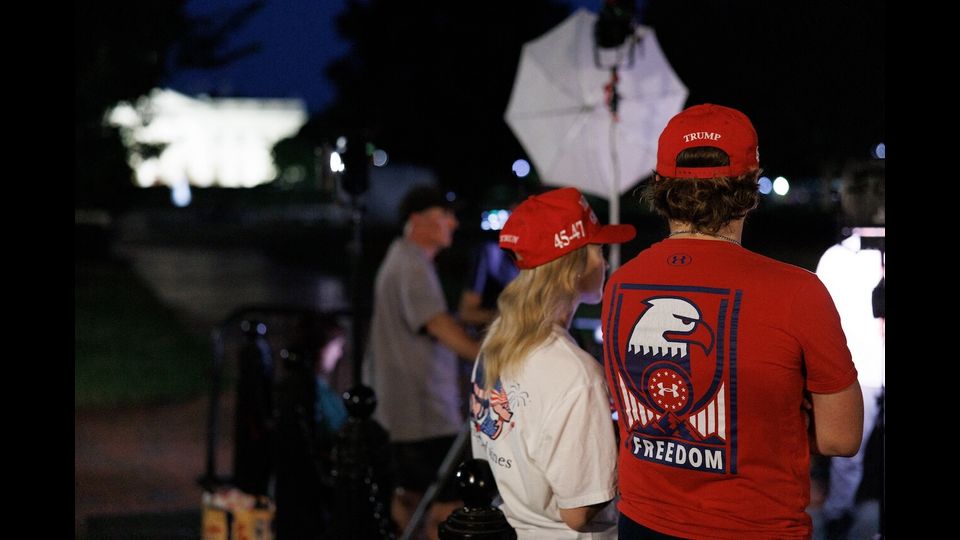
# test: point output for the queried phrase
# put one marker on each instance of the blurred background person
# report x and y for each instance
(411, 358)
(310, 412)
(853, 272)
(490, 273)
(491, 270)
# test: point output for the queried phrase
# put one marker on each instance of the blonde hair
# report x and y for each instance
(529, 306)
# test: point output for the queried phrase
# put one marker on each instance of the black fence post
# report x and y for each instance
(477, 520)
(363, 481)
(255, 426)
(209, 481)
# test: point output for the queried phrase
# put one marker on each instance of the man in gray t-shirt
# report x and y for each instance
(411, 357)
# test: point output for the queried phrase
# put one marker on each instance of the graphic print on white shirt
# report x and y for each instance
(491, 411)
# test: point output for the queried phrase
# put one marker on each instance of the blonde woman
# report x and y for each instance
(540, 407)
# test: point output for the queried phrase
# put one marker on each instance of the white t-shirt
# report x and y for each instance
(548, 436)
(851, 274)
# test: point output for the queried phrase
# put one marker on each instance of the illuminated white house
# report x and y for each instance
(204, 141)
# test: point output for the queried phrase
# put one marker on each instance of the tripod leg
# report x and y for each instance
(883, 463)
(446, 468)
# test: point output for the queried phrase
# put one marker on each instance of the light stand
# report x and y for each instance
(355, 181)
(615, 25)
(362, 477)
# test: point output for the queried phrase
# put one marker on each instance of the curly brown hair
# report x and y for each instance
(707, 204)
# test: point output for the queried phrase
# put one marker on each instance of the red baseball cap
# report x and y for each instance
(547, 226)
(708, 125)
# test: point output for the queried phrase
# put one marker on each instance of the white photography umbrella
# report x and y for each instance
(586, 125)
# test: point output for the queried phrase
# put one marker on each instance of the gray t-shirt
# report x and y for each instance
(414, 376)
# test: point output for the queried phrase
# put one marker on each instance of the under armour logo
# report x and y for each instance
(679, 259)
(663, 390)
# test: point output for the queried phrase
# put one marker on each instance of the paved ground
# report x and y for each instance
(144, 460)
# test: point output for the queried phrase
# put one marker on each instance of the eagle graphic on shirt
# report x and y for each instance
(671, 368)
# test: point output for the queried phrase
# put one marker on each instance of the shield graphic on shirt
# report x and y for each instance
(673, 367)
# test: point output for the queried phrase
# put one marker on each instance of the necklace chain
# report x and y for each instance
(720, 236)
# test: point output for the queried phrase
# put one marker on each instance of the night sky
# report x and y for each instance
(809, 75)
(297, 40)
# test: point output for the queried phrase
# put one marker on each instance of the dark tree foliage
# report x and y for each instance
(429, 81)
(123, 50)
(809, 74)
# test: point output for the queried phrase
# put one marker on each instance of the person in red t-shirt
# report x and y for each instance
(727, 367)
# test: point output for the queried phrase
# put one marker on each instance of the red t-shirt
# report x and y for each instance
(708, 348)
